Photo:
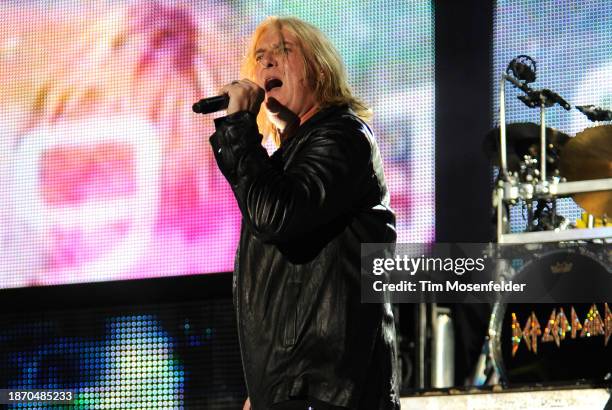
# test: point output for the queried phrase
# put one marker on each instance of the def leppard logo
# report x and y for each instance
(559, 326)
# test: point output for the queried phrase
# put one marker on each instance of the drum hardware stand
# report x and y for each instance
(509, 191)
(489, 367)
(547, 217)
(537, 186)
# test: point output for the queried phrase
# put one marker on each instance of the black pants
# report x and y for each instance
(308, 404)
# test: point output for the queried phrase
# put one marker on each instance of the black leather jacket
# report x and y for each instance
(302, 328)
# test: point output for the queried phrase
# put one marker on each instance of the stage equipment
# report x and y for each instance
(536, 179)
(538, 165)
(443, 348)
(523, 141)
(548, 342)
(594, 113)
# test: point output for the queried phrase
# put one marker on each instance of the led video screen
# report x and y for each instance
(107, 174)
(170, 356)
(569, 42)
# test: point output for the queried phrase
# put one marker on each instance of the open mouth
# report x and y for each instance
(272, 83)
(72, 175)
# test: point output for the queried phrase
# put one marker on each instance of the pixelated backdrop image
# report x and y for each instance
(163, 356)
(107, 174)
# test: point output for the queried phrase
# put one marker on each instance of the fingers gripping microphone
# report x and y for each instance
(211, 104)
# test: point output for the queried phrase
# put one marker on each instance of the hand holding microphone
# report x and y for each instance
(240, 95)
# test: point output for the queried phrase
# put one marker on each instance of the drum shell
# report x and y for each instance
(578, 358)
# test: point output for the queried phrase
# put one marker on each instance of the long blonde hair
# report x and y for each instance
(323, 67)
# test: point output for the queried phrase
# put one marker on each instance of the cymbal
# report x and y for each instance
(523, 138)
(589, 156)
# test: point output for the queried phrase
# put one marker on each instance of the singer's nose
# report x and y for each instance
(267, 60)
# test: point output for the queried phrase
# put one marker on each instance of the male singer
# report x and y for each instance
(307, 341)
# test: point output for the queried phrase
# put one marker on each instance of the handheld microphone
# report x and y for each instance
(211, 104)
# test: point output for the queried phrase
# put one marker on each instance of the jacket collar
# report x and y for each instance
(315, 120)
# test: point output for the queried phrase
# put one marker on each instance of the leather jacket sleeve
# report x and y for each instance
(281, 201)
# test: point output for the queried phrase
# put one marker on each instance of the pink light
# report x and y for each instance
(73, 174)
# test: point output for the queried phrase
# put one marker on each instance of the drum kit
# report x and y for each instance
(537, 166)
